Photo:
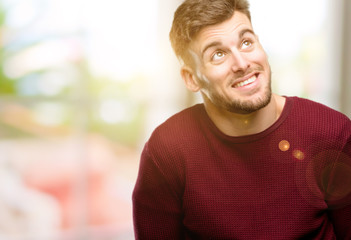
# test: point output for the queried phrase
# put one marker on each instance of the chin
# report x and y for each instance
(249, 106)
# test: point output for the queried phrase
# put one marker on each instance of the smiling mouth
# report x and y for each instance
(246, 82)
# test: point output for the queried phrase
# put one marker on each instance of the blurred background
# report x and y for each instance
(83, 83)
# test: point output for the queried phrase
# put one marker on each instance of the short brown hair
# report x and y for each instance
(193, 15)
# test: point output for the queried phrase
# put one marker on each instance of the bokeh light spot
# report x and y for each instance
(298, 154)
(284, 145)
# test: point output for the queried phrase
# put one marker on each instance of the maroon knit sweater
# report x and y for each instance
(291, 181)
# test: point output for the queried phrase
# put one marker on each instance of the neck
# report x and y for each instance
(234, 124)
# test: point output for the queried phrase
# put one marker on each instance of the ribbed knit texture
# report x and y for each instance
(291, 181)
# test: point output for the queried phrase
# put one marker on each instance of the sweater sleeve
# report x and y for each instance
(339, 194)
(156, 207)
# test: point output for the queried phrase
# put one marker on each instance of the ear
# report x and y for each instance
(189, 78)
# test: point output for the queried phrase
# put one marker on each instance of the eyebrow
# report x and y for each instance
(217, 43)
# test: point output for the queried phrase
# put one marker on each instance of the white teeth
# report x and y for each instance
(243, 83)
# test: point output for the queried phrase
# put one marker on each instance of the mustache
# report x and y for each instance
(249, 71)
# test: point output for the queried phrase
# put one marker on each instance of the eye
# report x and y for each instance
(246, 44)
(218, 55)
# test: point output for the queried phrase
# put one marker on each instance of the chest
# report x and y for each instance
(258, 192)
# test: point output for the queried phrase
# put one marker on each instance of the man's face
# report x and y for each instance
(231, 68)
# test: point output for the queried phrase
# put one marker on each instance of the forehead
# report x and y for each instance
(226, 29)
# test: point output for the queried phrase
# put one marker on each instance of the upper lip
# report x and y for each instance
(246, 77)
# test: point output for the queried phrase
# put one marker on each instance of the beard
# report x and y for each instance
(243, 106)
(239, 106)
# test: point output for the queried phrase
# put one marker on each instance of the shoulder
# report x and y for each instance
(172, 141)
(319, 120)
(182, 120)
(311, 110)
(179, 130)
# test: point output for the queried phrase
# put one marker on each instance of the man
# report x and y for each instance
(245, 164)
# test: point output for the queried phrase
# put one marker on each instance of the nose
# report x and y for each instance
(240, 61)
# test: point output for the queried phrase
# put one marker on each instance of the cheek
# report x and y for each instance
(261, 57)
(217, 74)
